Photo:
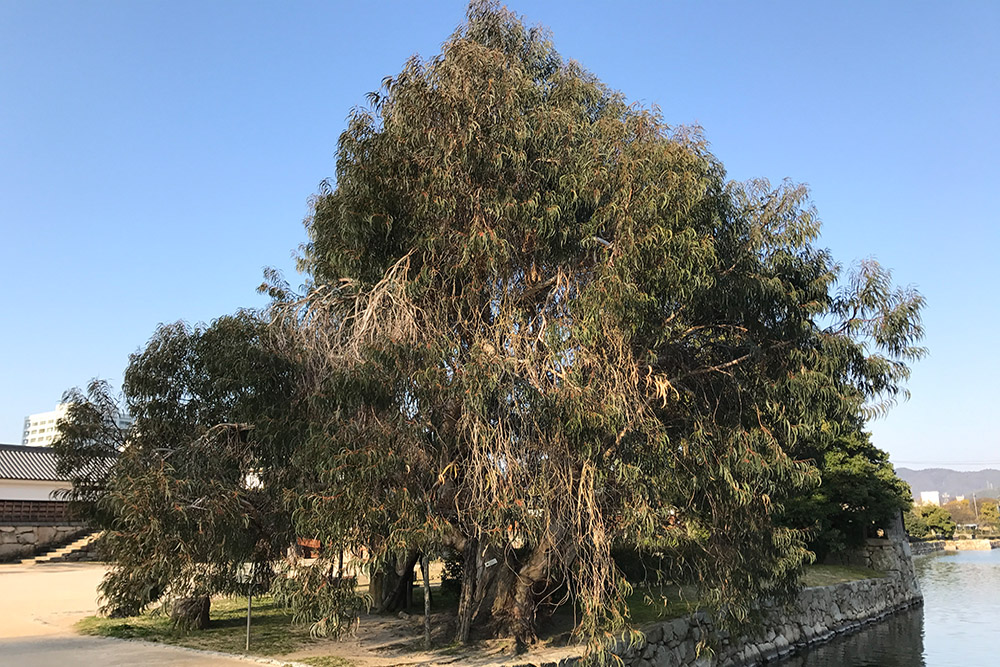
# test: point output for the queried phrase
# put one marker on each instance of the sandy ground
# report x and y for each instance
(38, 607)
(48, 599)
(384, 641)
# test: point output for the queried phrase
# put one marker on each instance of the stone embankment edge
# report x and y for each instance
(815, 616)
(674, 643)
(931, 546)
(22, 540)
(924, 548)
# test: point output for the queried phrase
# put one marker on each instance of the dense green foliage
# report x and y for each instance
(859, 494)
(544, 324)
(193, 496)
(541, 327)
(929, 521)
(989, 514)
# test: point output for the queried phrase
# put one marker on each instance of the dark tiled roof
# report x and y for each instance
(31, 463)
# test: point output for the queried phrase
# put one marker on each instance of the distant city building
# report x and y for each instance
(959, 498)
(40, 429)
(930, 498)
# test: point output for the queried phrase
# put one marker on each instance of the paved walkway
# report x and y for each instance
(38, 607)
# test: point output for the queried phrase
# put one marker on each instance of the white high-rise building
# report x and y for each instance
(40, 429)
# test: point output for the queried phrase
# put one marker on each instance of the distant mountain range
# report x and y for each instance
(984, 483)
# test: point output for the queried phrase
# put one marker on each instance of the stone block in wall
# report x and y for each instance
(655, 634)
(11, 551)
(46, 534)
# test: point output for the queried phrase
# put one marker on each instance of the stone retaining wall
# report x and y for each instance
(815, 615)
(21, 541)
(923, 548)
(930, 546)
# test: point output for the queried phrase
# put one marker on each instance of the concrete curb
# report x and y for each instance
(260, 660)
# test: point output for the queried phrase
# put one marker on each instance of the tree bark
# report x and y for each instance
(377, 588)
(496, 573)
(515, 611)
(425, 565)
(191, 613)
(399, 595)
(467, 598)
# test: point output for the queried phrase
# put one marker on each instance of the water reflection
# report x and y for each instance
(957, 627)
(898, 641)
(961, 591)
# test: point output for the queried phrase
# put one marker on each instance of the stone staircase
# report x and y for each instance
(78, 549)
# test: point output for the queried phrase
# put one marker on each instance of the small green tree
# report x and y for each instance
(859, 494)
(988, 513)
(193, 497)
(914, 523)
(929, 521)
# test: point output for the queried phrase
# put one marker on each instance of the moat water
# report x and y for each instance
(957, 626)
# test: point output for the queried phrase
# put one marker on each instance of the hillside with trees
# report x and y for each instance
(953, 482)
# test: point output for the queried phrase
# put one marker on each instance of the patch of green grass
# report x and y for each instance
(651, 605)
(120, 628)
(271, 630)
(829, 575)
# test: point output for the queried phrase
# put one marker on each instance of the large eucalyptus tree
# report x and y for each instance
(542, 324)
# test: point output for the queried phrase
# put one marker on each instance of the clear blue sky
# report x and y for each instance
(155, 156)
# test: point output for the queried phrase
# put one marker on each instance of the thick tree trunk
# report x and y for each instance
(377, 586)
(191, 613)
(515, 608)
(398, 593)
(490, 581)
(496, 573)
(466, 600)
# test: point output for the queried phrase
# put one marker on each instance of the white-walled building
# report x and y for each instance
(40, 429)
(930, 498)
(29, 485)
(29, 473)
